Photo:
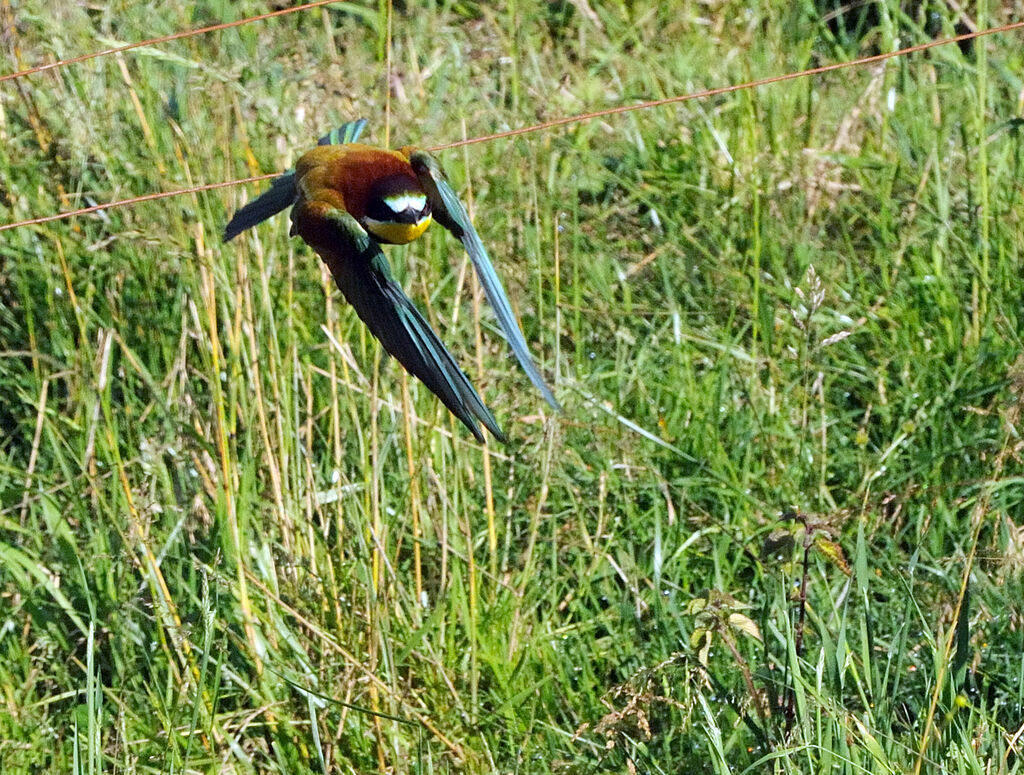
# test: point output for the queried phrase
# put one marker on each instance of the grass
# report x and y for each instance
(775, 528)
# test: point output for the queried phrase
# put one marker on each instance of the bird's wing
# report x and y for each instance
(364, 278)
(450, 213)
(281, 193)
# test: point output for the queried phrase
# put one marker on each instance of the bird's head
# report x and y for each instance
(397, 210)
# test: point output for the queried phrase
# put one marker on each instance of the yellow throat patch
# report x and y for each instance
(397, 233)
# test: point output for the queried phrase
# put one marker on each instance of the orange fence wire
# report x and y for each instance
(136, 199)
(547, 124)
(726, 89)
(164, 39)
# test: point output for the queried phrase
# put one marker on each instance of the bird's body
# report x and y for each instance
(349, 198)
(354, 178)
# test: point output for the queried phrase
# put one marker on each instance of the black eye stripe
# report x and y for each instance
(396, 188)
(399, 202)
(379, 210)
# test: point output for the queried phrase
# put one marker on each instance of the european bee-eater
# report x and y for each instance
(347, 200)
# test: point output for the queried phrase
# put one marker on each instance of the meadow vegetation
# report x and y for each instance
(777, 527)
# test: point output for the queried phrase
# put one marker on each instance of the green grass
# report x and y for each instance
(776, 528)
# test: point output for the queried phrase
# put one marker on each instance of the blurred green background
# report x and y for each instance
(776, 527)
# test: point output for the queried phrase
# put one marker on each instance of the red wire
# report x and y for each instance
(163, 39)
(541, 126)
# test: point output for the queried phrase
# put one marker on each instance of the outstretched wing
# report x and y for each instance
(281, 193)
(450, 213)
(364, 277)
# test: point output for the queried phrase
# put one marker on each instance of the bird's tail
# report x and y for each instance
(346, 133)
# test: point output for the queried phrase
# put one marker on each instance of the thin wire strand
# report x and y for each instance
(136, 199)
(163, 39)
(551, 124)
(727, 89)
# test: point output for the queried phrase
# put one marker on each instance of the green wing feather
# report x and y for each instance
(281, 193)
(450, 213)
(364, 278)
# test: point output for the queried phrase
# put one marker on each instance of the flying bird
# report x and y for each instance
(347, 200)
